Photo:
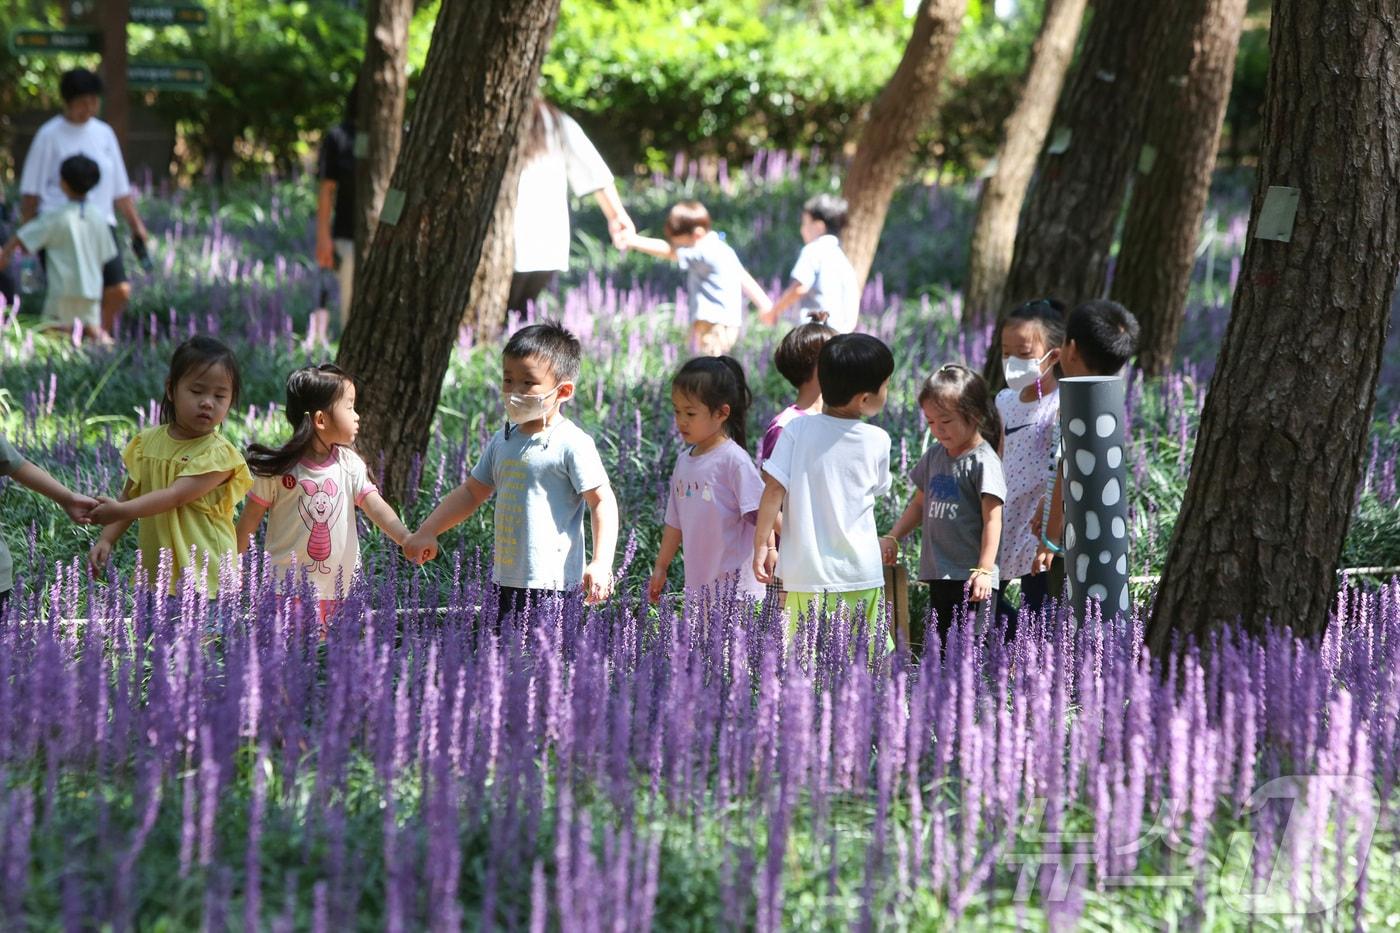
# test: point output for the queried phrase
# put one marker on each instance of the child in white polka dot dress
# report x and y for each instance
(1029, 406)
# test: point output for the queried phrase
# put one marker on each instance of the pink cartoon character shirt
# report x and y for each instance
(324, 508)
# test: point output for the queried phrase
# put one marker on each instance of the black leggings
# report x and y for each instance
(944, 598)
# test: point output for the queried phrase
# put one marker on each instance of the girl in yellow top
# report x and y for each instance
(184, 479)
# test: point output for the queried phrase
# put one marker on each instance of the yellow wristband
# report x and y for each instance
(982, 570)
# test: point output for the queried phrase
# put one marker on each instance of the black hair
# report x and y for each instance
(850, 364)
(197, 354)
(1105, 333)
(540, 120)
(967, 393)
(796, 356)
(1046, 312)
(309, 390)
(552, 343)
(829, 209)
(717, 381)
(79, 82)
(352, 106)
(80, 174)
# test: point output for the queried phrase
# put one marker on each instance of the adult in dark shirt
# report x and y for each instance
(335, 208)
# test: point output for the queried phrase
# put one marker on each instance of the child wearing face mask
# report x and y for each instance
(1029, 408)
(543, 470)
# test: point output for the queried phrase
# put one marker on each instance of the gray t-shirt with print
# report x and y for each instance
(539, 481)
(953, 488)
(10, 461)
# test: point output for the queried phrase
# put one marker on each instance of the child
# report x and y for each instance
(544, 470)
(13, 465)
(958, 495)
(823, 280)
(1100, 337)
(1030, 411)
(825, 473)
(184, 478)
(77, 243)
(312, 484)
(715, 487)
(715, 280)
(796, 359)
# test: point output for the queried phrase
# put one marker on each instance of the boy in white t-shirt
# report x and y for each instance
(77, 243)
(825, 474)
(823, 280)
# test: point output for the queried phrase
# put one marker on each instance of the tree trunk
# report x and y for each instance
(1158, 250)
(491, 285)
(417, 277)
(999, 208)
(116, 107)
(1280, 447)
(383, 91)
(886, 145)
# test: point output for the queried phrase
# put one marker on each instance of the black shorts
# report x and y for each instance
(113, 271)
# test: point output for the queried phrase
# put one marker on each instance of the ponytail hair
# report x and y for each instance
(309, 390)
(718, 381)
(964, 391)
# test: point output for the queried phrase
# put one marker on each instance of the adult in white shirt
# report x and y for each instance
(558, 159)
(78, 131)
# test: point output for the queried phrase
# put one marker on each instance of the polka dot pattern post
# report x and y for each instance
(1095, 490)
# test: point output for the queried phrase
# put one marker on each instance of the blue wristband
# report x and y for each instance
(1051, 545)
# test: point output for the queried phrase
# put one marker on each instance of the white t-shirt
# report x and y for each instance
(58, 139)
(833, 470)
(831, 283)
(569, 163)
(311, 518)
(77, 243)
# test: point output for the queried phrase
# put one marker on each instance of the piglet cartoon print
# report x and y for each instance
(319, 515)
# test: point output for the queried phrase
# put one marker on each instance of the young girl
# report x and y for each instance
(958, 495)
(715, 487)
(1029, 408)
(183, 478)
(312, 484)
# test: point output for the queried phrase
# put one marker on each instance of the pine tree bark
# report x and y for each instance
(1284, 432)
(904, 107)
(1023, 135)
(1158, 249)
(478, 80)
(491, 285)
(382, 97)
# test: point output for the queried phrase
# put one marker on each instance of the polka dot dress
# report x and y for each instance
(1030, 435)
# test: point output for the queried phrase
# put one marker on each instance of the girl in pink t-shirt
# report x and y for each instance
(715, 487)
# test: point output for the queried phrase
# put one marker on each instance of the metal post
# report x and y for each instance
(1095, 492)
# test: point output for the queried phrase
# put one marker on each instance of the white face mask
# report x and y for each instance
(1021, 374)
(525, 408)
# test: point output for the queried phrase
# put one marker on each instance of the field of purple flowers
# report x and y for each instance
(172, 766)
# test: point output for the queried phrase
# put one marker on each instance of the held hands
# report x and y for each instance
(765, 564)
(420, 547)
(79, 508)
(622, 230)
(105, 511)
(598, 583)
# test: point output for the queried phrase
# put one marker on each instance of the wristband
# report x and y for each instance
(1051, 546)
(980, 570)
(890, 538)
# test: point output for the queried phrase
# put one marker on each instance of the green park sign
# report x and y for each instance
(169, 14)
(168, 76)
(54, 41)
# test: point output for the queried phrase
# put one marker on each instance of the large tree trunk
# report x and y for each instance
(1158, 250)
(886, 145)
(1279, 452)
(491, 285)
(999, 208)
(417, 278)
(116, 106)
(379, 120)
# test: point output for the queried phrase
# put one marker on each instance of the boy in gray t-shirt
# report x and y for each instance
(13, 465)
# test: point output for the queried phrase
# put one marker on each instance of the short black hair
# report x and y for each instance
(1105, 333)
(850, 364)
(829, 209)
(79, 83)
(796, 356)
(551, 342)
(80, 173)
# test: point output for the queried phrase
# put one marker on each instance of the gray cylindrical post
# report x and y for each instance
(1095, 492)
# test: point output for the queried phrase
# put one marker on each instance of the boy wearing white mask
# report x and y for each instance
(1029, 407)
(543, 470)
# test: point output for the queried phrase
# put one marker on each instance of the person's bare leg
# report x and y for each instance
(114, 301)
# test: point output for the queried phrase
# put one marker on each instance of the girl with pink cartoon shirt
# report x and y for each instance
(309, 489)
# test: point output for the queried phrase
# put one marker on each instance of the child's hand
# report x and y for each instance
(106, 511)
(1043, 557)
(100, 553)
(655, 585)
(768, 315)
(979, 588)
(597, 583)
(765, 563)
(79, 508)
(1037, 523)
(420, 547)
(889, 550)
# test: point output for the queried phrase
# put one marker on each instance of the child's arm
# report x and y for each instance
(765, 555)
(786, 300)
(980, 583)
(1053, 531)
(183, 491)
(248, 522)
(101, 550)
(651, 246)
(908, 520)
(37, 478)
(755, 293)
(10, 246)
(670, 544)
(383, 515)
(597, 576)
(456, 507)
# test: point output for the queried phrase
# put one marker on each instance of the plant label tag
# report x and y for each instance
(393, 207)
(361, 149)
(1276, 216)
(1059, 143)
(1146, 159)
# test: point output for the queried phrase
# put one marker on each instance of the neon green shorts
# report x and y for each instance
(858, 603)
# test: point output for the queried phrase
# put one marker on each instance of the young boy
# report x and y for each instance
(1100, 337)
(13, 465)
(823, 279)
(796, 359)
(543, 470)
(825, 474)
(77, 243)
(716, 282)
